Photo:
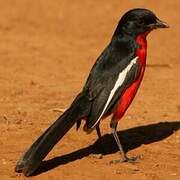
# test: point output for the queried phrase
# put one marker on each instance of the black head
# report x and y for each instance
(137, 21)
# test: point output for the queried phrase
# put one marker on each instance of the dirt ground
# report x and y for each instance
(46, 51)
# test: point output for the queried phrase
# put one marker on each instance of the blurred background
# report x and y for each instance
(47, 49)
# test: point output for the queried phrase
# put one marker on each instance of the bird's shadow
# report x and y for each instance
(130, 139)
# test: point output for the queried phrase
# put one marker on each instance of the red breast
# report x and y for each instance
(130, 92)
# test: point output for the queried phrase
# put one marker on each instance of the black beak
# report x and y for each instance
(159, 24)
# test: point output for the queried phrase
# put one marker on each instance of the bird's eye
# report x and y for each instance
(140, 22)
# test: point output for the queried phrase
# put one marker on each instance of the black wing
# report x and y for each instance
(105, 73)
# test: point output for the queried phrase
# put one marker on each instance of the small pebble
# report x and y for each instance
(4, 161)
(97, 156)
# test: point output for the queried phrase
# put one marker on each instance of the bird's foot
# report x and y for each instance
(125, 159)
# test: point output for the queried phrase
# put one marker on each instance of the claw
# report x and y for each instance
(125, 159)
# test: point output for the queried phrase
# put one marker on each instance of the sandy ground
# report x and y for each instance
(46, 51)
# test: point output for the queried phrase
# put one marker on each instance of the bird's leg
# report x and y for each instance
(124, 157)
(98, 156)
(99, 136)
(98, 131)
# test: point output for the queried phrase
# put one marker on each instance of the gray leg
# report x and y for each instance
(98, 156)
(124, 158)
(98, 131)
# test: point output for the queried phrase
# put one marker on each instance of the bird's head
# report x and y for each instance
(138, 21)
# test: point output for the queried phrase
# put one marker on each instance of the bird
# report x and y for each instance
(109, 89)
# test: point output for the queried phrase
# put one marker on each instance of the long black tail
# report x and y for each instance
(33, 157)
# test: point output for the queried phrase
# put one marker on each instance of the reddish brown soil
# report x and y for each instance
(46, 51)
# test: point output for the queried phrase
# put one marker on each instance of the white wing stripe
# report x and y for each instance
(119, 82)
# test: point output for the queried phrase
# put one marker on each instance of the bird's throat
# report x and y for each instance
(142, 49)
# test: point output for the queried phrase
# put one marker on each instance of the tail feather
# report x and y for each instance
(32, 158)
